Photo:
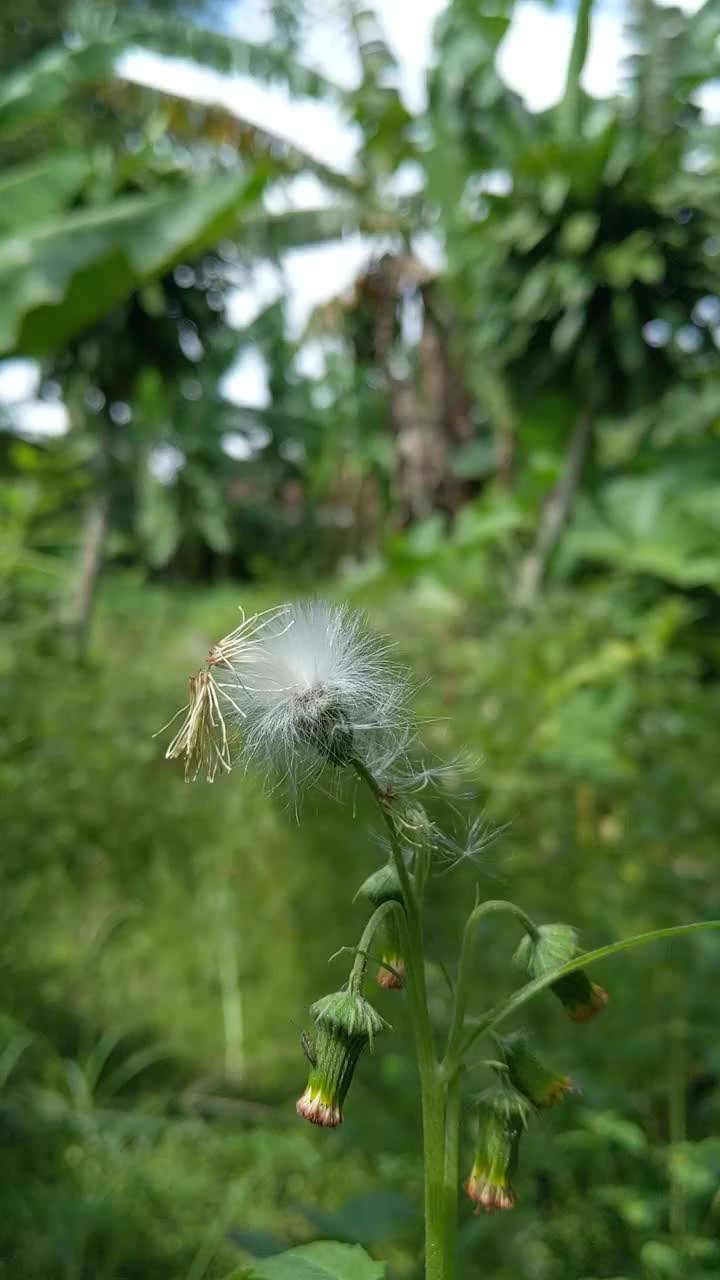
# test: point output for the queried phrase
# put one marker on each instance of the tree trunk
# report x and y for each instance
(554, 515)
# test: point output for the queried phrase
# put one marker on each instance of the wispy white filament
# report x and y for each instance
(318, 665)
(298, 687)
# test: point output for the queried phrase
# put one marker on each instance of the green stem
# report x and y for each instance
(569, 108)
(677, 1124)
(453, 1054)
(440, 1233)
(451, 1171)
(359, 969)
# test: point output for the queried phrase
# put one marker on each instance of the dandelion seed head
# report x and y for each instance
(321, 688)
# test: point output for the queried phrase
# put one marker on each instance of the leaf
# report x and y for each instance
(232, 55)
(31, 192)
(325, 1260)
(37, 89)
(61, 276)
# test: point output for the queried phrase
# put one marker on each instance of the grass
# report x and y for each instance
(161, 943)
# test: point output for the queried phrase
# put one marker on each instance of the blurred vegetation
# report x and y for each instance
(512, 460)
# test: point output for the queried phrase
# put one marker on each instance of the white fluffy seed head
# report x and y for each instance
(321, 689)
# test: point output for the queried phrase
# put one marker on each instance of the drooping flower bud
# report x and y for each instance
(345, 1024)
(581, 998)
(392, 972)
(384, 886)
(502, 1115)
(552, 946)
(541, 1086)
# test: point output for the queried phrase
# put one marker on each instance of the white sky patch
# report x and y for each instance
(310, 360)
(315, 275)
(708, 100)
(408, 26)
(246, 382)
(165, 462)
(407, 180)
(315, 127)
(236, 446)
(264, 286)
(243, 445)
(19, 380)
(305, 191)
(533, 57)
(38, 420)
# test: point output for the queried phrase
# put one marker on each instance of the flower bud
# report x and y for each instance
(384, 886)
(392, 973)
(552, 946)
(581, 998)
(541, 1086)
(501, 1118)
(345, 1025)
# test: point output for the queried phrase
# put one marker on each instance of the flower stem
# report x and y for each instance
(451, 1173)
(359, 969)
(453, 1055)
(440, 1228)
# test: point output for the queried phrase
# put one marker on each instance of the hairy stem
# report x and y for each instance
(450, 1171)
(440, 1231)
(453, 1055)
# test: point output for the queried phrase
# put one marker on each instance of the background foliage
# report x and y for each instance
(513, 461)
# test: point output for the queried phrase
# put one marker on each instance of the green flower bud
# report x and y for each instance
(345, 1025)
(502, 1115)
(393, 977)
(553, 946)
(529, 1074)
(382, 886)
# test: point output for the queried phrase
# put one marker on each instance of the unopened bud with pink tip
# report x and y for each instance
(384, 886)
(501, 1117)
(345, 1025)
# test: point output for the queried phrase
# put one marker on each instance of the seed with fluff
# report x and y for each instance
(321, 690)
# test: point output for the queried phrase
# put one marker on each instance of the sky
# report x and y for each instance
(532, 60)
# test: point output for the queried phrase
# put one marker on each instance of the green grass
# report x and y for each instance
(161, 944)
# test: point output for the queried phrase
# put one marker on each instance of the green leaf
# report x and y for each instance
(31, 192)
(368, 1219)
(325, 1260)
(37, 89)
(61, 276)
(174, 38)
